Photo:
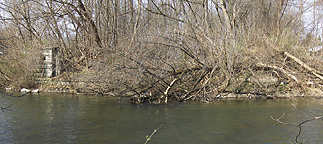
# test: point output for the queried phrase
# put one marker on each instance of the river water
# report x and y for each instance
(56, 118)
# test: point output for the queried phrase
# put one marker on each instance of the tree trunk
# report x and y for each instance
(115, 26)
(132, 20)
(92, 24)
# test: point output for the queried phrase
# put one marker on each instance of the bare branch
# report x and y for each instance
(166, 91)
(148, 138)
(279, 121)
(300, 126)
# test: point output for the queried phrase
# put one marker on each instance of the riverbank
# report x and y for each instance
(69, 88)
(197, 83)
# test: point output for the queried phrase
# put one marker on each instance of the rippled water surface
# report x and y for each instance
(55, 118)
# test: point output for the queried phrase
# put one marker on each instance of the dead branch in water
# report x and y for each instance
(278, 120)
(148, 138)
(303, 122)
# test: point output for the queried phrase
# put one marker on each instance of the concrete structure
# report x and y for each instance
(51, 65)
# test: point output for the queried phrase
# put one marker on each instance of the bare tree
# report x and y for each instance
(176, 49)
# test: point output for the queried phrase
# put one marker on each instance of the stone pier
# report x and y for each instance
(51, 66)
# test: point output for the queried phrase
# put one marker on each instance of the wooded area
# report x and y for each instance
(156, 50)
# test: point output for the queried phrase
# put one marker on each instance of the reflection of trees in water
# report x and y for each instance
(7, 108)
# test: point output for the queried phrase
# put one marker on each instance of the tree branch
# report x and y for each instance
(155, 130)
(300, 126)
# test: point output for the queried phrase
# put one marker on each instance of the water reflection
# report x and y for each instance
(49, 110)
(90, 119)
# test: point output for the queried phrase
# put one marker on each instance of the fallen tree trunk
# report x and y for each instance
(313, 71)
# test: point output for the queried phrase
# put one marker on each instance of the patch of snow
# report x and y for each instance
(35, 91)
(310, 83)
(25, 90)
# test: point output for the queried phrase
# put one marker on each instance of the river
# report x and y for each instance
(57, 118)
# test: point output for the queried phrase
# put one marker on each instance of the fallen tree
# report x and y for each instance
(180, 50)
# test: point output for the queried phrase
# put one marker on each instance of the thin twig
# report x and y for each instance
(298, 114)
(155, 130)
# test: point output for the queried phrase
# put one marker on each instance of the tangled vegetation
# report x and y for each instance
(157, 50)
